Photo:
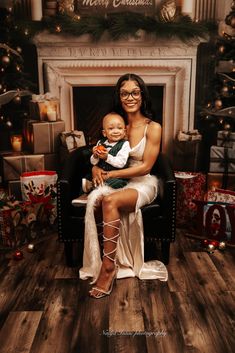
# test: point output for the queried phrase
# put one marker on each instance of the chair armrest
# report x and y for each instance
(76, 167)
(167, 193)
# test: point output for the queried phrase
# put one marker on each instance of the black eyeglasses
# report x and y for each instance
(136, 94)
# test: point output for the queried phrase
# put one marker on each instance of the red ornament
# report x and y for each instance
(215, 243)
(18, 255)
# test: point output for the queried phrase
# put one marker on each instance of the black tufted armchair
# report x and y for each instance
(158, 217)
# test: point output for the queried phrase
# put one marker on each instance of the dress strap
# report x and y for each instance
(145, 130)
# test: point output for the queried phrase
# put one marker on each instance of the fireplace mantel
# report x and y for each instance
(67, 61)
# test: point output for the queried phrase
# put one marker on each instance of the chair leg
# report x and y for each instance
(73, 256)
(165, 247)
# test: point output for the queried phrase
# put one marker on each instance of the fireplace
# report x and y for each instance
(65, 63)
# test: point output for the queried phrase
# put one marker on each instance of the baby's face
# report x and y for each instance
(114, 128)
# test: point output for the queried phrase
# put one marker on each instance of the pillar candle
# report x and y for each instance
(36, 10)
(187, 6)
(51, 114)
(16, 142)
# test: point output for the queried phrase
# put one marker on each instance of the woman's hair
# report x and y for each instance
(146, 102)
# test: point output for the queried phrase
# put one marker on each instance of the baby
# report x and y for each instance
(112, 151)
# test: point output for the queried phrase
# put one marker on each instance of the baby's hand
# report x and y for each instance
(94, 152)
(100, 151)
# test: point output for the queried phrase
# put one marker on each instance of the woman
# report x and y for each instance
(123, 238)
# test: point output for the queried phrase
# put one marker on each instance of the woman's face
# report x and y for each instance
(130, 96)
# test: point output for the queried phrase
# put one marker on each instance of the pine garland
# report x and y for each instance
(120, 25)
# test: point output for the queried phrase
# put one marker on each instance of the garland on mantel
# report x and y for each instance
(120, 25)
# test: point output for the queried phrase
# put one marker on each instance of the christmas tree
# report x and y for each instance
(15, 85)
(219, 111)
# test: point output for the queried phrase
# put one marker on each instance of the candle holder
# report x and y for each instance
(16, 143)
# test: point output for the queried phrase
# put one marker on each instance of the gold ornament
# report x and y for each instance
(30, 248)
(167, 11)
(227, 126)
(9, 123)
(17, 100)
(225, 91)
(58, 29)
(222, 245)
(210, 248)
(5, 60)
(66, 6)
(218, 103)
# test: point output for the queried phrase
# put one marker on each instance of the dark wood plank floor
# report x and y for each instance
(44, 307)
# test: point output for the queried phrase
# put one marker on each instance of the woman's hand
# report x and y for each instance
(106, 175)
(97, 176)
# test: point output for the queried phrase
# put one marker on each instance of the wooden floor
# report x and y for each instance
(44, 307)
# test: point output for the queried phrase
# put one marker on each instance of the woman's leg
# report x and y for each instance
(112, 204)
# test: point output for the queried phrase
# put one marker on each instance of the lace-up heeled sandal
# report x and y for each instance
(100, 293)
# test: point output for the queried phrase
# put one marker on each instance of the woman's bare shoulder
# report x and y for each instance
(154, 127)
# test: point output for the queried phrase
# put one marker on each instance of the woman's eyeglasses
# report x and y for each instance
(136, 94)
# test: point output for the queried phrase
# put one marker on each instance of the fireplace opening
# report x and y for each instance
(91, 103)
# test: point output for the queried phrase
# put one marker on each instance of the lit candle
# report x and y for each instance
(51, 114)
(16, 142)
(187, 7)
(36, 10)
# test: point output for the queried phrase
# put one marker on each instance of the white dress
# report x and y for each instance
(130, 248)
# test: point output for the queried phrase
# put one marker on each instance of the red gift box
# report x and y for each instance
(190, 186)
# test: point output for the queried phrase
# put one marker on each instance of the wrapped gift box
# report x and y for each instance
(38, 110)
(22, 222)
(44, 107)
(43, 137)
(187, 155)
(220, 180)
(221, 196)
(226, 139)
(14, 164)
(73, 139)
(222, 159)
(189, 186)
(216, 220)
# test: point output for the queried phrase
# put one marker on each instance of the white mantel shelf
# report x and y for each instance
(67, 61)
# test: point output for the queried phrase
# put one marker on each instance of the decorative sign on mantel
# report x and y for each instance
(110, 6)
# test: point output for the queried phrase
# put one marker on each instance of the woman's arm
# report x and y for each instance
(152, 148)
